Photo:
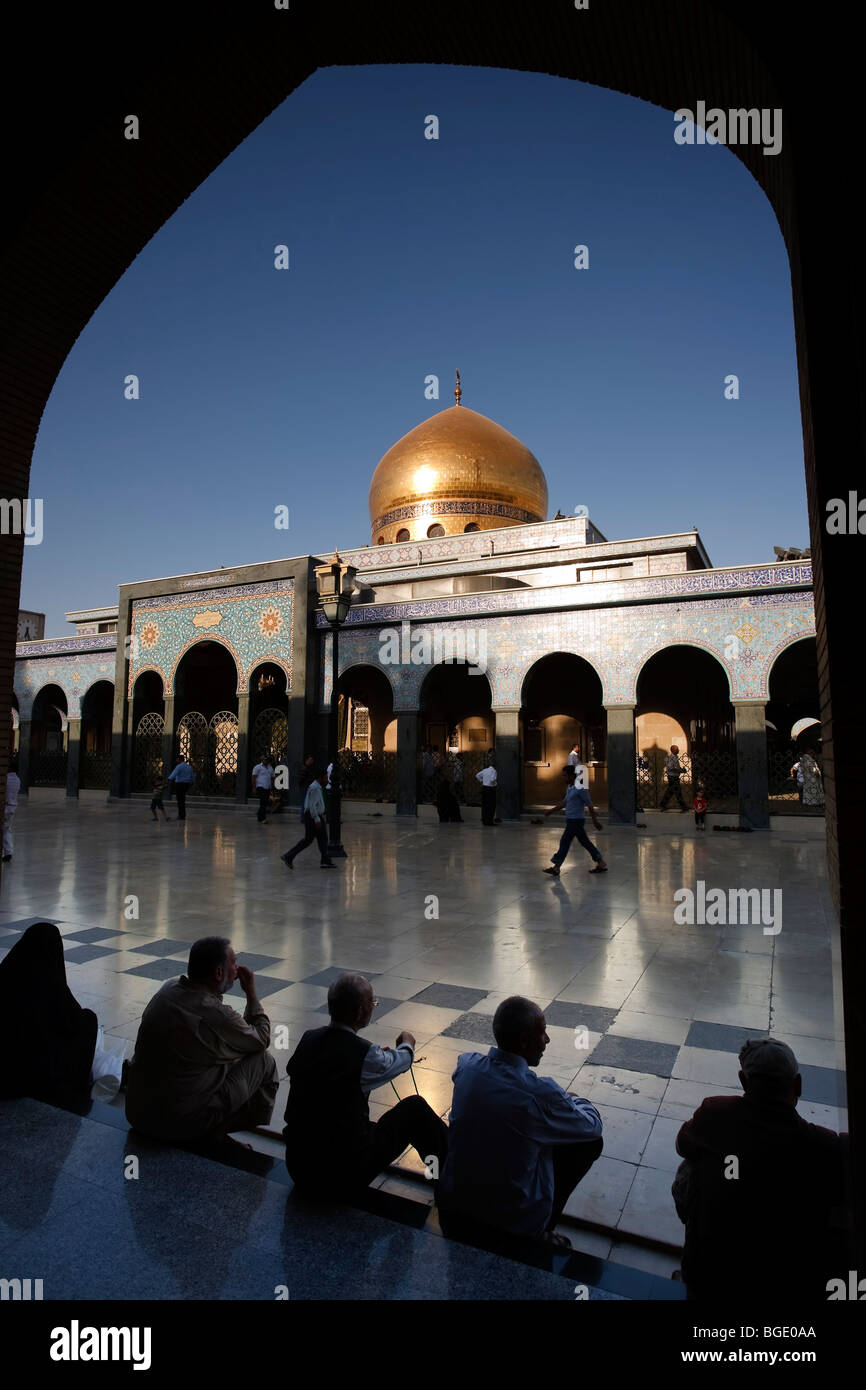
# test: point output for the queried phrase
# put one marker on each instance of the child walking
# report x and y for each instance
(156, 797)
(700, 805)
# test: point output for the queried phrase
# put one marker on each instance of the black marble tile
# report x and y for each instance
(635, 1054)
(590, 1016)
(80, 955)
(22, 923)
(449, 996)
(719, 1037)
(332, 973)
(158, 970)
(473, 1027)
(254, 962)
(265, 985)
(164, 947)
(90, 935)
(824, 1086)
(383, 1007)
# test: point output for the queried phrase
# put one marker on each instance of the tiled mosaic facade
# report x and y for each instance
(745, 634)
(73, 674)
(252, 621)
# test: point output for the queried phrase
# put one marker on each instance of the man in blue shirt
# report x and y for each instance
(576, 800)
(183, 777)
(518, 1144)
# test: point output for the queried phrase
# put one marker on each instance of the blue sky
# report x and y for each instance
(408, 256)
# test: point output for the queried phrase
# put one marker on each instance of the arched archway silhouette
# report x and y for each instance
(214, 84)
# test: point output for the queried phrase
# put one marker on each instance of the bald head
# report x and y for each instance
(349, 997)
(518, 1027)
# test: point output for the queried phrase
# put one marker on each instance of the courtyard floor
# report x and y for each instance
(645, 1017)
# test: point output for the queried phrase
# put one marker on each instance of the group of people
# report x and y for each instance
(517, 1145)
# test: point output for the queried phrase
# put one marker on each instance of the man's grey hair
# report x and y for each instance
(345, 997)
(206, 955)
(514, 1019)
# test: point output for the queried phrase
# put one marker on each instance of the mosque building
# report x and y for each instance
(475, 624)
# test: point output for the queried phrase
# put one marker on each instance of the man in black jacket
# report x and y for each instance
(332, 1145)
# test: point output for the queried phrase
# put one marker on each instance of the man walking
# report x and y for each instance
(673, 773)
(263, 776)
(576, 801)
(314, 824)
(183, 777)
(487, 778)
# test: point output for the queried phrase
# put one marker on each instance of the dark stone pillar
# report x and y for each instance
(407, 762)
(73, 756)
(621, 764)
(24, 727)
(752, 782)
(243, 780)
(123, 763)
(507, 743)
(168, 735)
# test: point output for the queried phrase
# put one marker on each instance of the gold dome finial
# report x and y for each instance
(457, 392)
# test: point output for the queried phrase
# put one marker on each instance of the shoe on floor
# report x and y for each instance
(328, 864)
(287, 860)
(6, 858)
(599, 869)
(552, 870)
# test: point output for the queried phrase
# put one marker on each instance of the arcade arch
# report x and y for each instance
(562, 705)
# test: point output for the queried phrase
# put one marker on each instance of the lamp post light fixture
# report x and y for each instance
(335, 583)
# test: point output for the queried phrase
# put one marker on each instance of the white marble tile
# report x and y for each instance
(601, 1195)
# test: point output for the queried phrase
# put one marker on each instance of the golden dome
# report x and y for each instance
(457, 471)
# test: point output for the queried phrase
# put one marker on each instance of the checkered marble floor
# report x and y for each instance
(645, 1017)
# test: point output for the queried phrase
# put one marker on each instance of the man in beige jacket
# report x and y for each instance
(200, 1070)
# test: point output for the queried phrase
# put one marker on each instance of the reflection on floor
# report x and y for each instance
(645, 1017)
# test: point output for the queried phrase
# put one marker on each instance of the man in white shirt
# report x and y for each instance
(574, 760)
(263, 776)
(314, 823)
(487, 778)
(13, 786)
(332, 1145)
(518, 1144)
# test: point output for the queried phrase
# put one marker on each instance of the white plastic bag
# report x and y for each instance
(107, 1067)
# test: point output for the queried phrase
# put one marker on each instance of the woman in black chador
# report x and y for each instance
(50, 1038)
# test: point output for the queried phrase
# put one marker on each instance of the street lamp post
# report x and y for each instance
(335, 583)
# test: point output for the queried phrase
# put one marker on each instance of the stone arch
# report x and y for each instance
(740, 54)
(591, 661)
(220, 641)
(647, 656)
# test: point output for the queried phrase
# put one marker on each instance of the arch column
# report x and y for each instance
(167, 733)
(24, 727)
(242, 785)
(752, 783)
(507, 744)
(621, 764)
(73, 756)
(407, 762)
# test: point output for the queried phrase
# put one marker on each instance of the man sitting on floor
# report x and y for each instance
(518, 1144)
(332, 1145)
(200, 1071)
(761, 1187)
